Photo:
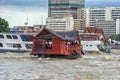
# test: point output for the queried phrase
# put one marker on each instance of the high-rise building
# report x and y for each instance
(118, 26)
(109, 27)
(92, 15)
(58, 8)
(79, 25)
(106, 18)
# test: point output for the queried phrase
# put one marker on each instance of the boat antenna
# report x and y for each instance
(26, 22)
(41, 19)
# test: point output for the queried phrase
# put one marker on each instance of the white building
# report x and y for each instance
(104, 18)
(79, 25)
(109, 27)
(92, 15)
(118, 26)
(66, 23)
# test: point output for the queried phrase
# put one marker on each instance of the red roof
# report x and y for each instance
(65, 35)
(94, 30)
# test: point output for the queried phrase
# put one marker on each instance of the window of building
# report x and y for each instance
(9, 36)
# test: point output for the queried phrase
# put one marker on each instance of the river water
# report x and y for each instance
(21, 66)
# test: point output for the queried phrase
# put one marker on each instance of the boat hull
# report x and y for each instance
(15, 51)
(91, 46)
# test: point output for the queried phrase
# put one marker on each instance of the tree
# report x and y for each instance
(113, 36)
(4, 26)
(117, 37)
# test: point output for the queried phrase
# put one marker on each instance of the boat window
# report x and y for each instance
(1, 45)
(28, 46)
(31, 28)
(15, 37)
(9, 44)
(17, 46)
(9, 36)
(14, 45)
(26, 37)
(48, 44)
(1, 36)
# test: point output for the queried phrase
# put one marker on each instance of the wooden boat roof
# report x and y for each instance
(65, 35)
(94, 30)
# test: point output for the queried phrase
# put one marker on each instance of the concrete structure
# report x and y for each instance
(81, 13)
(79, 24)
(118, 26)
(104, 18)
(92, 15)
(58, 8)
(109, 27)
(66, 23)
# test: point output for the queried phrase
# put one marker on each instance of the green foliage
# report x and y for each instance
(4, 26)
(117, 37)
(113, 36)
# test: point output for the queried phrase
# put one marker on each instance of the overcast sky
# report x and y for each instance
(16, 11)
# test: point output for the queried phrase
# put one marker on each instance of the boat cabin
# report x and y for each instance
(56, 43)
(15, 42)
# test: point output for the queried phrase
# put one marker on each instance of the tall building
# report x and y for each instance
(118, 26)
(106, 18)
(58, 8)
(92, 15)
(109, 27)
(79, 24)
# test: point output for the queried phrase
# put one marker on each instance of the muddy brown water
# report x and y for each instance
(21, 66)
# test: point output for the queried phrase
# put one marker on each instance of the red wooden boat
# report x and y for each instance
(48, 42)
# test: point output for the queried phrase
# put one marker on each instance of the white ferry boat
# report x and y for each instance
(90, 42)
(14, 42)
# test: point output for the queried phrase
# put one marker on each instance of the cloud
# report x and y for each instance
(17, 16)
(16, 11)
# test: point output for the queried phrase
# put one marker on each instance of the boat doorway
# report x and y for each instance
(45, 44)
